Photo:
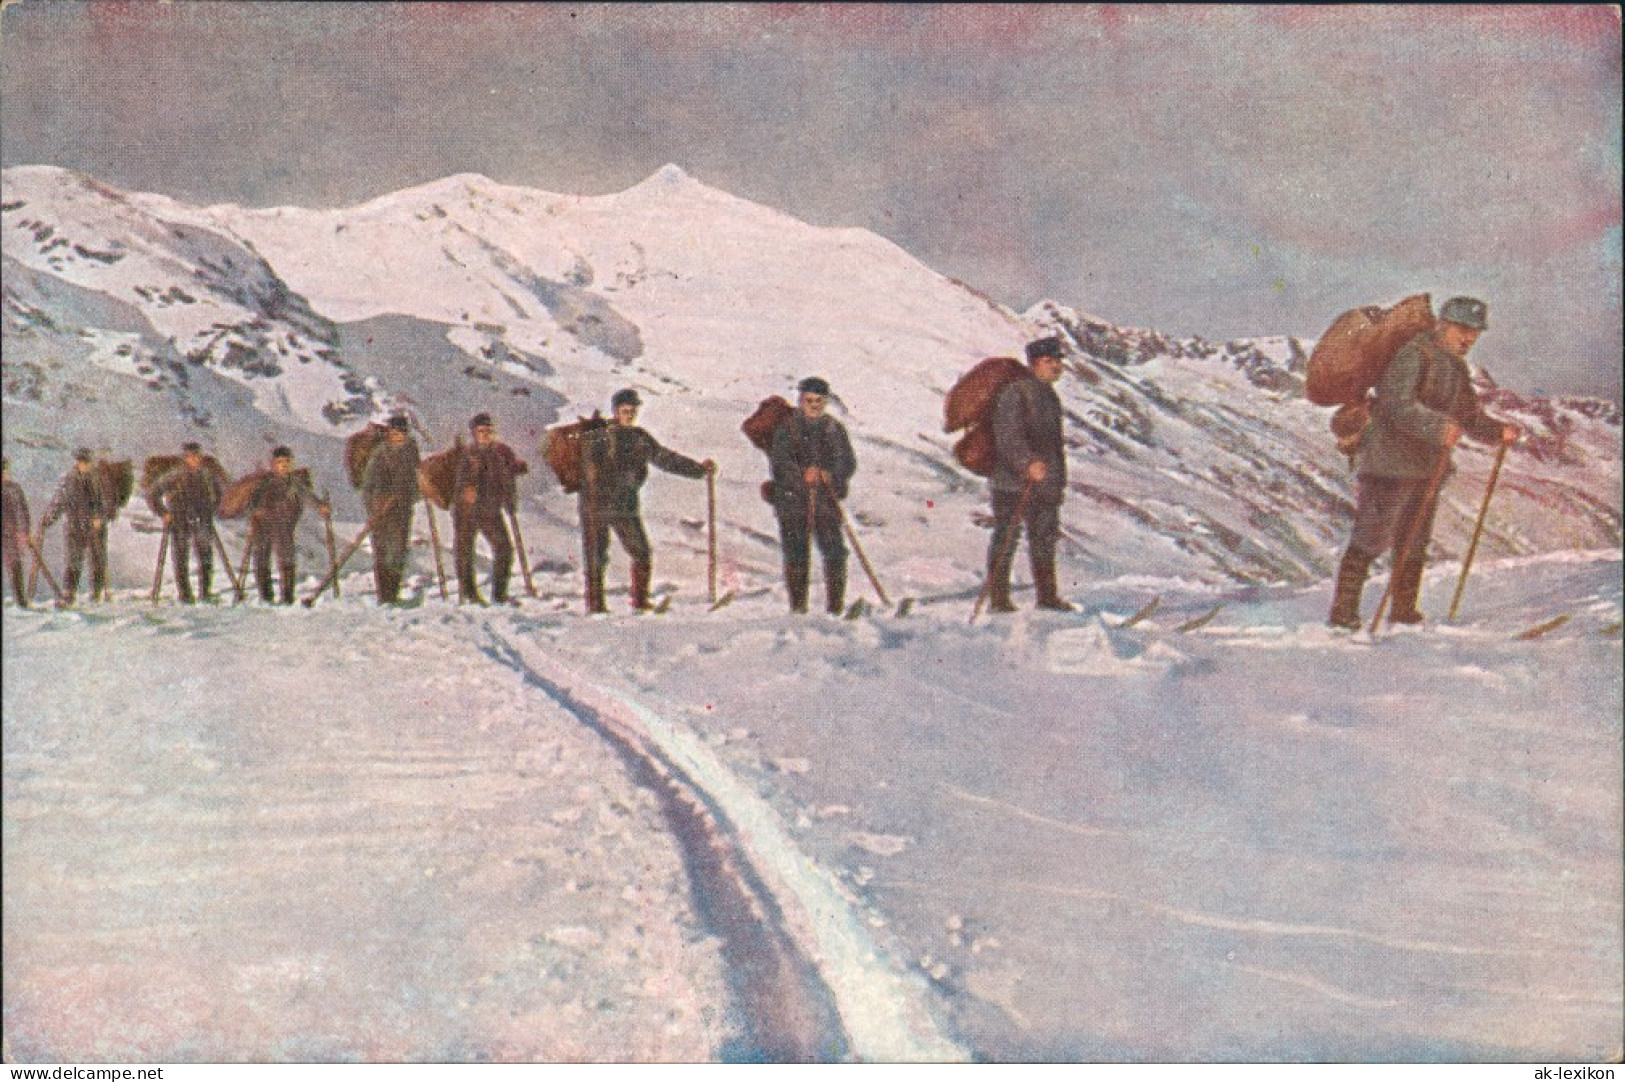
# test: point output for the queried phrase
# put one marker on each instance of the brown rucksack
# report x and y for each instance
(158, 465)
(760, 426)
(970, 405)
(234, 501)
(438, 473)
(1350, 358)
(358, 448)
(562, 449)
(118, 481)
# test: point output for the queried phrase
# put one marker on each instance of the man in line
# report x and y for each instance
(274, 511)
(389, 490)
(1425, 401)
(1029, 479)
(486, 487)
(87, 506)
(615, 464)
(186, 498)
(813, 465)
(14, 531)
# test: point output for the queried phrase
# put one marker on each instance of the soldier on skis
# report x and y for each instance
(186, 498)
(1424, 403)
(615, 463)
(389, 490)
(14, 531)
(485, 487)
(1029, 478)
(813, 464)
(274, 510)
(87, 506)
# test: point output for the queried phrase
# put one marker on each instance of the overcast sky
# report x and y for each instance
(1214, 171)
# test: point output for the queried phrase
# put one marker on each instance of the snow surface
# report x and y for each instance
(453, 834)
(247, 833)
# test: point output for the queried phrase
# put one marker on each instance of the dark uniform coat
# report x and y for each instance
(615, 462)
(798, 443)
(275, 508)
(391, 473)
(190, 497)
(492, 472)
(15, 527)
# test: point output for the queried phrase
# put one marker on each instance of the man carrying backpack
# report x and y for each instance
(186, 498)
(278, 501)
(615, 462)
(389, 488)
(1028, 479)
(813, 464)
(1424, 403)
(485, 487)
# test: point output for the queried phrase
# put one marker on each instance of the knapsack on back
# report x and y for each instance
(1350, 358)
(760, 426)
(118, 481)
(437, 473)
(234, 500)
(358, 448)
(158, 465)
(969, 405)
(562, 449)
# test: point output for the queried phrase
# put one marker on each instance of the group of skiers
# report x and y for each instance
(1423, 403)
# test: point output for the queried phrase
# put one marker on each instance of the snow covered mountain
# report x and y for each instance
(132, 321)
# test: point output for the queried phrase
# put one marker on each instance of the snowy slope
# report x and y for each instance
(740, 835)
(1188, 458)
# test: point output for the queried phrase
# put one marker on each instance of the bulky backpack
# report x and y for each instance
(562, 449)
(234, 500)
(760, 426)
(118, 481)
(158, 465)
(438, 473)
(358, 448)
(969, 405)
(1350, 358)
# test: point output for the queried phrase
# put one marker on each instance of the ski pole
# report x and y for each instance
(1402, 555)
(248, 544)
(39, 563)
(1006, 551)
(434, 536)
(853, 537)
(33, 566)
(332, 558)
(1478, 530)
(225, 557)
(711, 535)
(158, 572)
(524, 561)
(350, 550)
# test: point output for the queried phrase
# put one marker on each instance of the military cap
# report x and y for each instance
(1466, 311)
(399, 423)
(83, 455)
(626, 396)
(814, 385)
(281, 452)
(480, 420)
(191, 446)
(1044, 347)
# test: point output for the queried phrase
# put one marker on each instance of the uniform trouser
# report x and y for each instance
(466, 526)
(628, 529)
(198, 537)
(1043, 522)
(14, 570)
(797, 551)
(391, 542)
(1391, 512)
(79, 542)
(275, 538)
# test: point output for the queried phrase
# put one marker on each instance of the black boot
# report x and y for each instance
(1351, 575)
(834, 588)
(795, 581)
(641, 574)
(1049, 596)
(288, 572)
(1407, 587)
